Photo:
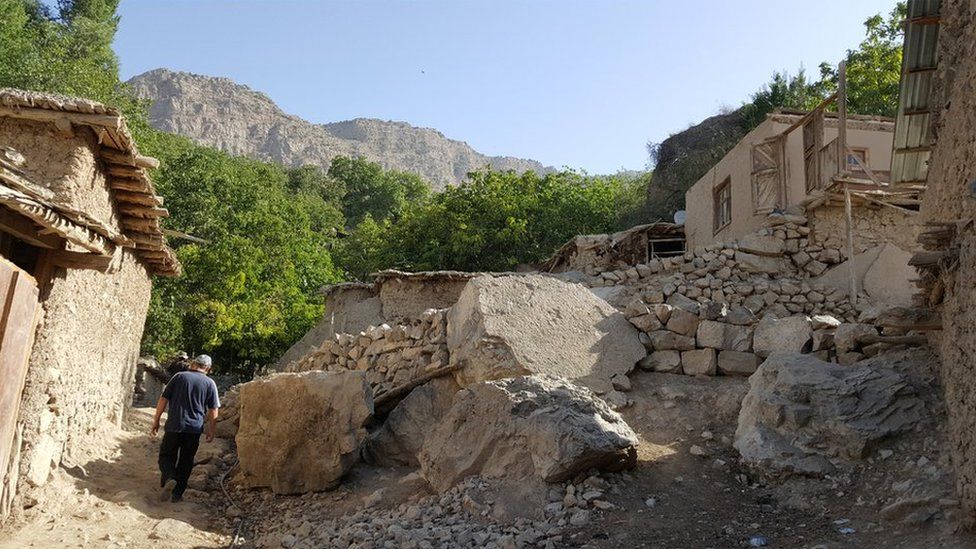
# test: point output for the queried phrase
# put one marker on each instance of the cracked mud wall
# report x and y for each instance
(951, 195)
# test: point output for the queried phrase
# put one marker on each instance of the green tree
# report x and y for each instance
(874, 67)
(251, 290)
(495, 221)
(371, 190)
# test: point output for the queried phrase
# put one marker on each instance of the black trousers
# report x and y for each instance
(176, 453)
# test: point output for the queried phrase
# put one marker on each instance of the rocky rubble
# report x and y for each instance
(465, 516)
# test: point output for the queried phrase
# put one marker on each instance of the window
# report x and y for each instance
(859, 154)
(665, 247)
(722, 204)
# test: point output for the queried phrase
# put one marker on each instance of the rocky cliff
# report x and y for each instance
(236, 119)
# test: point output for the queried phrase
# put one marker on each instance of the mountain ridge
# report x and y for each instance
(236, 119)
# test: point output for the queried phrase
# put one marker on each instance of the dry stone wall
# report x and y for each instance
(872, 227)
(772, 270)
(390, 355)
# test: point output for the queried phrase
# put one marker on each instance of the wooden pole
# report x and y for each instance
(842, 168)
(850, 245)
(842, 117)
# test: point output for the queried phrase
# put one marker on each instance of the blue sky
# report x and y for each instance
(583, 84)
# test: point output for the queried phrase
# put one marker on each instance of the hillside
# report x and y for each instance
(681, 159)
(236, 119)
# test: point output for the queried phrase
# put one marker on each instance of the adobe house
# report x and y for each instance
(80, 241)
(790, 160)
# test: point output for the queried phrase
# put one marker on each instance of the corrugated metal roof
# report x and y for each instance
(913, 128)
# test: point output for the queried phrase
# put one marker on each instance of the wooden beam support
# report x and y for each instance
(868, 339)
(143, 211)
(112, 121)
(118, 157)
(138, 198)
(25, 229)
(78, 260)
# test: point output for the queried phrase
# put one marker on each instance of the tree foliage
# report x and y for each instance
(372, 191)
(252, 289)
(495, 221)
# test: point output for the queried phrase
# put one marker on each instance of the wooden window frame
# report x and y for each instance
(725, 187)
(851, 167)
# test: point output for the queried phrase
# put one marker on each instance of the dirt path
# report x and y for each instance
(115, 503)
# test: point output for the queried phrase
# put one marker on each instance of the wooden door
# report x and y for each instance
(19, 309)
(766, 173)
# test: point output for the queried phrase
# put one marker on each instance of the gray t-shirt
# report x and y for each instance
(190, 395)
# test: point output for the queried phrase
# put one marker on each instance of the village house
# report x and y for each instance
(80, 241)
(790, 159)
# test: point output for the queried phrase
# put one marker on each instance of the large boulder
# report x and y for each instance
(301, 432)
(802, 415)
(402, 435)
(509, 326)
(530, 427)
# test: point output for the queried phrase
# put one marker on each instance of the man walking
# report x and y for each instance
(193, 402)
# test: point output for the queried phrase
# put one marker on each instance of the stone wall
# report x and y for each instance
(872, 227)
(390, 355)
(951, 195)
(349, 308)
(777, 268)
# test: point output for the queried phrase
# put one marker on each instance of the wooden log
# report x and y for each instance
(112, 121)
(851, 275)
(869, 339)
(122, 184)
(385, 402)
(145, 225)
(921, 319)
(118, 157)
(143, 211)
(77, 260)
(138, 198)
(930, 258)
(152, 241)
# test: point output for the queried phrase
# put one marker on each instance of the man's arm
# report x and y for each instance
(211, 426)
(160, 408)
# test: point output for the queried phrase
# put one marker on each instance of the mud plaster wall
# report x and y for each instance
(81, 369)
(872, 226)
(66, 165)
(950, 196)
(408, 298)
